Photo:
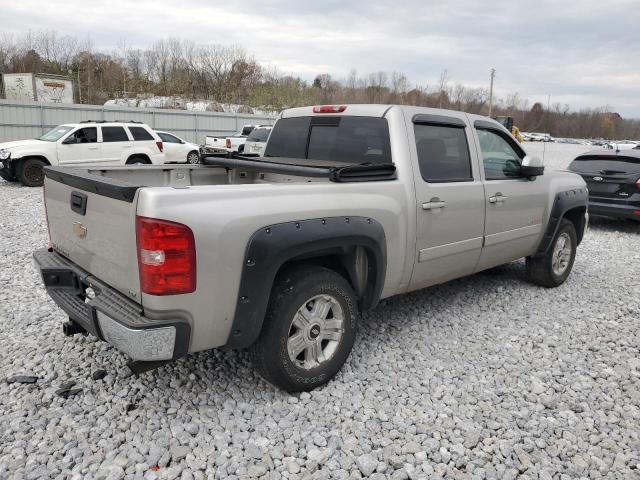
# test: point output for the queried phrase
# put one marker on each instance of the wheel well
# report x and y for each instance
(36, 157)
(356, 264)
(576, 216)
(136, 156)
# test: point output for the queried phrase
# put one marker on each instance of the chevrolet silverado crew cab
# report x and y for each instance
(349, 205)
(87, 143)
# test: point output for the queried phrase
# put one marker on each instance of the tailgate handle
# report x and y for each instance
(79, 202)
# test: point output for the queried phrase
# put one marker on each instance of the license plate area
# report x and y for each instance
(60, 278)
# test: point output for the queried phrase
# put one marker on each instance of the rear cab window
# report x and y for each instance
(337, 139)
(259, 135)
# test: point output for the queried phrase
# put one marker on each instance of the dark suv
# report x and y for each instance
(613, 179)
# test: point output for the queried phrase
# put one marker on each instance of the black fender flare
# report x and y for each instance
(272, 246)
(564, 202)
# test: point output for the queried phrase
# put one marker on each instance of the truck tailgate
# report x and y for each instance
(92, 223)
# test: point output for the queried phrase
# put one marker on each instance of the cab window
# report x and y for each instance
(443, 153)
(500, 158)
(83, 135)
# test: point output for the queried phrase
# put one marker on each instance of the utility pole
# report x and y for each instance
(493, 75)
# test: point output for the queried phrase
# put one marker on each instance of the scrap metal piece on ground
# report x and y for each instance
(28, 379)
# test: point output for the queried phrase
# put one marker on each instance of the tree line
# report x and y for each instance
(230, 75)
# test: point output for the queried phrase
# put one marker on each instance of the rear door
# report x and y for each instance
(450, 198)
(611, 178)
(116, 144)
(515, 206)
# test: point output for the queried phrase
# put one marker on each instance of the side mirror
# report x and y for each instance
(531, 167)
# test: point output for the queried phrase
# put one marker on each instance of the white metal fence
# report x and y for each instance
(21, 120)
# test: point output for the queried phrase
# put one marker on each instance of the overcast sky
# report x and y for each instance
(582, 52)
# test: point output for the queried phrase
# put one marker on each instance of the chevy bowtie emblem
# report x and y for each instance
(598, 179)
(79, 229)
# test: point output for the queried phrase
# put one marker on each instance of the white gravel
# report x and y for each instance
(484, 377)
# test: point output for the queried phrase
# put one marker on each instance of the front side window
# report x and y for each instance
(352, 140)
(443, 153)
(165, 137)
(501, 160)
(140, 134)
(55, 134)
(114, 134)
(83, 135)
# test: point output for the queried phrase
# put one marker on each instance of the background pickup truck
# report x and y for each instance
(223, 145)
(349, 205)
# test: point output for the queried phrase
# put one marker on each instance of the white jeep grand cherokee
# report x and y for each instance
(90, 143)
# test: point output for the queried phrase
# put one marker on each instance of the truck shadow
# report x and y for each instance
(614, 225)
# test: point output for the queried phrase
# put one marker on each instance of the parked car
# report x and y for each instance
(257, 140)
(613, 180)
(225, 145)
(349, 205)
(539, 137)
(621, 145)
(177, 150)
(89, 143)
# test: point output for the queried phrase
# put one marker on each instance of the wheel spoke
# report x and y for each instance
(334, 335)
(314, 354)
(302, 318)
(321, 308)
(296, 345)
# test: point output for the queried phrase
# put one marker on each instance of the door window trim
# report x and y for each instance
(449, 122)
(500, 132)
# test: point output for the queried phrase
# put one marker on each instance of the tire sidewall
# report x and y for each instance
(29, 163)
(565, 227)
(279, 320)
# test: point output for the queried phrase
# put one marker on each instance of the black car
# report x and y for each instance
(613, 180)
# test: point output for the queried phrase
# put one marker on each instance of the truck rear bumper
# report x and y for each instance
(109, 315)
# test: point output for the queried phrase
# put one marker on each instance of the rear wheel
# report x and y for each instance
(553, 268)
(309, 329)
(138, 161)
(31, 173)
(193, 158)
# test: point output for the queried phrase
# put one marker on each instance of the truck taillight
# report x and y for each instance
(166, 257)
(329, 109)
(228, 143)
(160, 146)
(638, 183)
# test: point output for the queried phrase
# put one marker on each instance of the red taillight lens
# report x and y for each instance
(329, 109)
(638, 183)
(160, 146)
(166, 257)
(228, 143)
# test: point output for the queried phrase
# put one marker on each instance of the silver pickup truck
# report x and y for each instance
(349, 205)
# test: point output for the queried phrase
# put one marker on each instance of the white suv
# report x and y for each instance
(90, 143)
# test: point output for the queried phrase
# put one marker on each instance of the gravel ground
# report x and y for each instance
(484, 377)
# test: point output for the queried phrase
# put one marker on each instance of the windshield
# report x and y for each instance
(259, 135)
(56, 134)
(353, 140)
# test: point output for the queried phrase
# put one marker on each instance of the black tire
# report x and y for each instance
(31, 173)
(293, 290)
(541, 269)
(193, 158)
(138, 161)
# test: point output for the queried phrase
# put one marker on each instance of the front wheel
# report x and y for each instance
(193, 158)
(31, 173)
(553, 268)
(309, 329)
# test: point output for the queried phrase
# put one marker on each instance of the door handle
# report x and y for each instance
(93, 148)
(433, 204)
(498, 198)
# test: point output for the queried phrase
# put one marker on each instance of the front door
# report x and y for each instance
(515, 205)
(80, 147)
(450, 199)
